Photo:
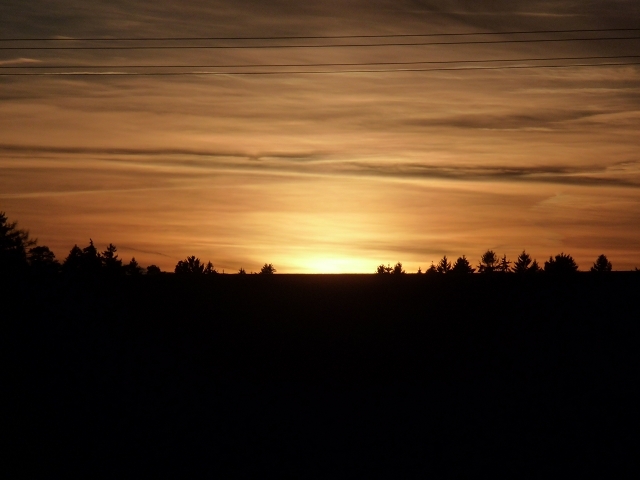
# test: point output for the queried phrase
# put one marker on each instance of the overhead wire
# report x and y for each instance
(322, 45)
(30, 69)
(348, 64)
(318, 37)
(313, 72)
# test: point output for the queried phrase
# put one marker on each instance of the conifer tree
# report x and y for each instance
(524, 264)
(488, 262)
(432, 269)
(13, 245)
(462, 266)
(602, 265)
(504, 265)
(91, 261)
(73, 262)
(133, 268)
(86, 261)
(110, 261)
(444, 265)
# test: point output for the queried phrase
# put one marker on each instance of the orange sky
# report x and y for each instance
(324, 173)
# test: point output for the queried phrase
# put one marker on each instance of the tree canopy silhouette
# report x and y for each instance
(73, 262)
(524, 264)
(488, 262)
(397, 269)
(561, 264)
(444, 265)
(86, 261)
(13, 245)
(42, 260)
(602, 265)
(505, 265)
(91, 258)
(153, 270)
(267, 269)
(193, 266)
(382, 270)
(432, 270)
(133, 268)
(462, 266)
(110, 261)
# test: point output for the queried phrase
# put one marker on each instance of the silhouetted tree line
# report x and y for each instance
(20, 252)
(490, 262)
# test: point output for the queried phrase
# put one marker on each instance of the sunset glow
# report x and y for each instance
(324, 173)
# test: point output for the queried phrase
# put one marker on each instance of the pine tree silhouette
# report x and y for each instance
(504, 265)
(110, 261)
(602, 265)
(462, 266)
(444, 265)
(488, 262)
(524, 264)
(133, 268)
(432, 270)
(13, 245)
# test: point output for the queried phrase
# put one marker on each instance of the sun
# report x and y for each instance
(332, 264)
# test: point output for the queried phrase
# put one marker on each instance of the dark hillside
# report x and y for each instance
(314, 375)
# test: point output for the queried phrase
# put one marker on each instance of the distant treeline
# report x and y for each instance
(490, 262)
(20, 253)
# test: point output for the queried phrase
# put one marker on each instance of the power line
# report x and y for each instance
(354, 64)
(335, 45)
(314, 72)
(315, 37)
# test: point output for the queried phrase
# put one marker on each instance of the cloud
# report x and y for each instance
(19, 61)
(507, 121)
(287, 17)
(127, 248)
(621, 174)
(567, 175)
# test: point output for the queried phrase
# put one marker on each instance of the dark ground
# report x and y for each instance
(323, 376)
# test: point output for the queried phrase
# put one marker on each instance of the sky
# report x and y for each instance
(329, 172)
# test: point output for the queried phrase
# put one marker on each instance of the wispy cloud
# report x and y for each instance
(621, 174)
(131, 249)
(19, 61)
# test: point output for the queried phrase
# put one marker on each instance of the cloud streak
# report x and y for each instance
(623, 174)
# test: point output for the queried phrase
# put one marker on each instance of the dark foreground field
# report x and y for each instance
(323, 376)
